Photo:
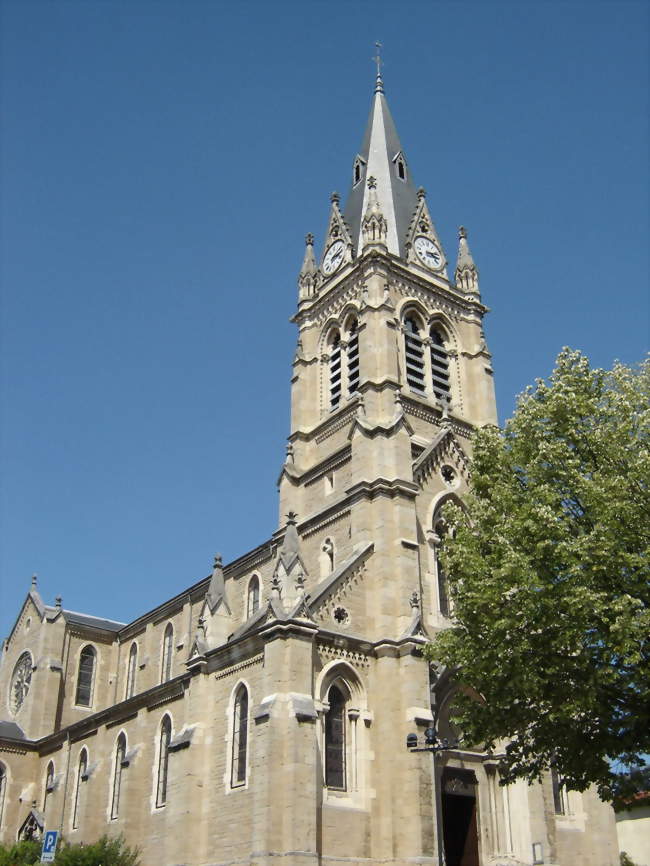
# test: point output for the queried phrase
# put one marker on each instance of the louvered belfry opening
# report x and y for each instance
(335, 370)
(414, 351)
(353, 357)
(335, 740)
(439, 365)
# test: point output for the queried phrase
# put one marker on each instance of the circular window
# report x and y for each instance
(341, 616)
(20, 682)
(449, 476)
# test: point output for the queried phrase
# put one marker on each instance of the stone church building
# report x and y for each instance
(260, 716)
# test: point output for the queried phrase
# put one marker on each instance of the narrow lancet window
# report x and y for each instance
(131, 670)
(120, 758)
(239, 737)
(85, 677)
(82, 776)
(253, 601)
(49, 785)
(167, 645)
(163, 761)
(3, 786)
(559, 792)
(335, 740)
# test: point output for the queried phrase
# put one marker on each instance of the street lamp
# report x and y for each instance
(431, 742)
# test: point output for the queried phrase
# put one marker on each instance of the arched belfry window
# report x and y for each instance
(131, 668)
(239, 737)
(120, 763)
(335, 724)
(164, 740)
(439, 364)
(82, 778)
(353, 355)
(253, 596)
(3, 788)
(86, 677)
(49, 785)
(414, 354)
(167, 646)
(335, 369)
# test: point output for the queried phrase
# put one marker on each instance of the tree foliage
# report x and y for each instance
(104, 852)
(20, 854)
(548, 572)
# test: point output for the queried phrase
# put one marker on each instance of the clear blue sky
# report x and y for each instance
(161, 164)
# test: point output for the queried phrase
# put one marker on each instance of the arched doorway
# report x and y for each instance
(459, 820)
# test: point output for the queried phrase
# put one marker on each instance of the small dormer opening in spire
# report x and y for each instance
(358, 171)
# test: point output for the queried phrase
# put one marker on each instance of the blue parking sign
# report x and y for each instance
(49, 846)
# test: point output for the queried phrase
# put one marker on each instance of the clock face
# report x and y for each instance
(20, 682)
(333, 257)
(428, 252)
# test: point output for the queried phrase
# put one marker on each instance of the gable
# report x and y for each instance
(338, 601)
(445, 453)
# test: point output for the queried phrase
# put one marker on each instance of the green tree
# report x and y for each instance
(104, 852)
(548, 571)
(20, 854)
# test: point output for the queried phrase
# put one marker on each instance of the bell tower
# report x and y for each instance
(386, 338)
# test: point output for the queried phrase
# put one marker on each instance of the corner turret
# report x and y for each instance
(466, 271)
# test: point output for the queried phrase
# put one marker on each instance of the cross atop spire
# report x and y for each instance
(379, 84)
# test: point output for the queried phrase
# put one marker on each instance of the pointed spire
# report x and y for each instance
(308, 277)
(291, 542)
(288, 581)
(381, 157)
(217, 589)
(466, 271)
(373, 226)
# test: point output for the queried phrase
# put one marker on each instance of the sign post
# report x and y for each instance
(48, 852)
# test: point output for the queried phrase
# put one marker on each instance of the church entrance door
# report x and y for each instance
(459, 825)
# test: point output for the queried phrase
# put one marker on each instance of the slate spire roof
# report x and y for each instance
(381, 157)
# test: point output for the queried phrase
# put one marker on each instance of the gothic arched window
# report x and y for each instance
(335, 369)
(120, 762)
(253, 596)
(353, 355)
(163, 760)
(239, 737)
(414, 354)
(335, 740)
(167, 644)
(82, 778)
(49, 784)
(85, 677)
(439, 364)
(3, 787)
(440, 530)
(559, 792)
(131, 669)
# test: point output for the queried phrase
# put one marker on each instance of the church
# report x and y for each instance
(260, 716)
